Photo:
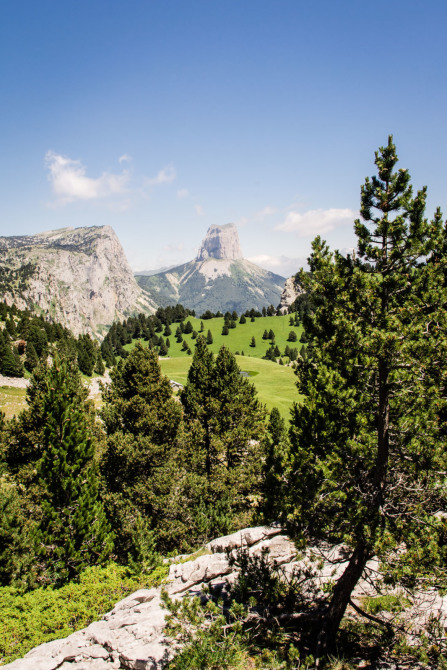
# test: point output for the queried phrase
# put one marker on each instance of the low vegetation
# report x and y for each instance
(45, 614)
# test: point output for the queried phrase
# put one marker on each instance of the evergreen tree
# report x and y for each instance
(253, 341)
(31, 359)
(225, 329)
(209, 337)
(242, 319)
(292, 336)
(221, 407)
(86, 354)
(10, 363)
(276, 448)
(142, 421)
(73, 531)
(369, 443)
(17, 532)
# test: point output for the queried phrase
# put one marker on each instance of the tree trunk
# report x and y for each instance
(340, 599)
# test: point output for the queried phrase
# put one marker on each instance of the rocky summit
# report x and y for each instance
(219, 278)
(77, 276)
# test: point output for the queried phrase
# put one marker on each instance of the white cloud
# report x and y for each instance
(317, 221)
(70, 183)
(199, 210)
(164, 176)
(182, 193)
(125, 158)
(264, 213)
(282, 265)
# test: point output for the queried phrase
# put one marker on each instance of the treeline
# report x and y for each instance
(167, 323)
(149, 328)
(26, 339)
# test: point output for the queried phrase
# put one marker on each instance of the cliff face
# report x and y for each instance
(292, 289)
(78, 276)
(221, 242)
(218, 279)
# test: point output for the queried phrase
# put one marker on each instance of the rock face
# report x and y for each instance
(131, 635)
(218, 279)
(221, 242)
(292, 289)
(79, 277)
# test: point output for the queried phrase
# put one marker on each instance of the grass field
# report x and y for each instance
(274, 383)
(12, 400)
(239, 338)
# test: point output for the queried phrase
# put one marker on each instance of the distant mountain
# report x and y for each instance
(77, 276)
(218, 279)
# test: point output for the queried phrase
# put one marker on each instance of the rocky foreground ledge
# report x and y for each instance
(131, 635)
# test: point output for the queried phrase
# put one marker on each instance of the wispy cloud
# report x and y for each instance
(316, 221)
(282, 265)
(164, 176)
(182, 193)
(264, 213)
(125, 158)
(199, 210)
(70, 183)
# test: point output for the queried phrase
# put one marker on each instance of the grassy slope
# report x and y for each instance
(275, 383)
(12, 400)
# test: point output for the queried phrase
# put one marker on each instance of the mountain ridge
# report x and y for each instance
(78, 276)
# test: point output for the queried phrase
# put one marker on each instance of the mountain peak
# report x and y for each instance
(221, 242)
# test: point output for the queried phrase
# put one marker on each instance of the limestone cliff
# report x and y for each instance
(218, 279)
(221, 242)
(292, 289)
(77, 276)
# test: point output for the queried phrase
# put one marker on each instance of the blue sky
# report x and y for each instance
(163, 117)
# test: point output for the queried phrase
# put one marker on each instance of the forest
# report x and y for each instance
(362, 463)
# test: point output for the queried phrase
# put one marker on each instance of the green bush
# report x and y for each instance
(46, 614)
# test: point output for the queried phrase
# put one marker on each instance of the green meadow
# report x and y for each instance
(238, 339)
(275, 383)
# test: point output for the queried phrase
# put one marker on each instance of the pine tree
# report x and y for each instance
(209, 337)
(31, 359)
(142, 421)
(221, 407)
(73, 530)
(369, 442)
(253, 341)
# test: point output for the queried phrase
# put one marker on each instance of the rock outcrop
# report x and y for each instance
(292, 289)
(77, 276)
(218, 279)
(131, 635)
(221, 242)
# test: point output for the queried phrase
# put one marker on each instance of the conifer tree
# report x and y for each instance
(221, 406)
(142, 421)
(73, 530)
(369, 443)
